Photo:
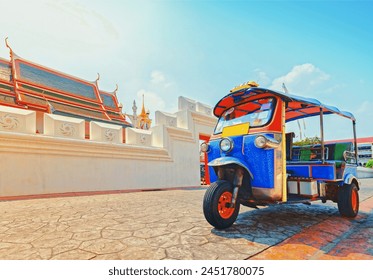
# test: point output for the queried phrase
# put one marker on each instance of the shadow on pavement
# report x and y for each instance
(274, 224)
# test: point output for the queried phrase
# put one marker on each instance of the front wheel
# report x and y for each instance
(216, 205)
(348, 200)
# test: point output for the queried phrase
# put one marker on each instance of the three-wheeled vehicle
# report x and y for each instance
(256, 164)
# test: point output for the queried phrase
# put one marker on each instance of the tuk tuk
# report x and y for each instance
(255, 163)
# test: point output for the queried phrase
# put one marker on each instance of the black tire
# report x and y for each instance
(214, 205)
(348, 200)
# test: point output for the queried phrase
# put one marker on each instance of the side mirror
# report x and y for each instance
(349, 156)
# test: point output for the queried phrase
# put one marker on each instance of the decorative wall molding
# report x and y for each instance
(40, 144)
(135, 136)
(103, 132)
(61, 126)
(204, 109)
(185, 103)
(165, 119)
(17, 120)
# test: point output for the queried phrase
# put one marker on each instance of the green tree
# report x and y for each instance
(369, 163)
(308, 141)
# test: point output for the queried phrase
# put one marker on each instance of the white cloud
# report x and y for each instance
(305, 78)
(67, 27)
(158, 92)
(153, 101)
(261, 78)
(364, 115)
(365, 108)
(157, 77)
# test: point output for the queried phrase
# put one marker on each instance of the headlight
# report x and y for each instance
(205, 148)
(266, 142)
(260, 141)
(226, 145)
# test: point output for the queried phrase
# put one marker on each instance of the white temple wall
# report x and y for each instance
(32, 164)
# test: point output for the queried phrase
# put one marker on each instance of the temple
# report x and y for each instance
(27, 85)
(66, 135)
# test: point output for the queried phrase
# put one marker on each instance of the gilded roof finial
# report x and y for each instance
(10, 49)
(98, 78)
(116, 89)
(6, 42)
(284, 88)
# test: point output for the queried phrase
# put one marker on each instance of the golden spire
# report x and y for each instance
(143, 113)
(144, 121)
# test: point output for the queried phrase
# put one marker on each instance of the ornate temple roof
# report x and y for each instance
(25, 84)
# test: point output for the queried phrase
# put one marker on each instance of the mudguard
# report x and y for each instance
(229, 160)
(349, 178)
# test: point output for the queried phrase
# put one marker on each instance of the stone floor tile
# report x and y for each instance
(102, 246)
(142, 253)
(115, 234)
(76, 254)
(135, 241)
(65, 246)
(164, 241)
(103, 227)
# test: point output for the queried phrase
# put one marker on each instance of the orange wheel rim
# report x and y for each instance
(354, 200)
(224, 211)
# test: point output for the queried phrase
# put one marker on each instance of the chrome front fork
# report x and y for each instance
(237, 183)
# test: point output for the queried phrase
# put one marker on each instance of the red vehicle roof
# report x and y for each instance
(297, 107)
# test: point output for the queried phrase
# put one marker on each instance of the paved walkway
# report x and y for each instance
(170, 225)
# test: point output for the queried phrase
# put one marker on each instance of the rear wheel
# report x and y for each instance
(348, 200)
(216, 205)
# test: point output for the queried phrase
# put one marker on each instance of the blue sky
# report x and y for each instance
(201, 49)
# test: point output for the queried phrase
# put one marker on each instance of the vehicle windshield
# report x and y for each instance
(256, 112)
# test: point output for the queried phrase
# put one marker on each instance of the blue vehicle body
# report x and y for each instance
(259, 164)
